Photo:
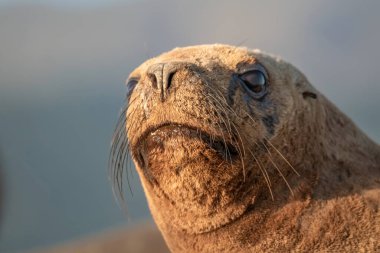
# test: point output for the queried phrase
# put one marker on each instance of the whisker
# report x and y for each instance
(119, 154)
(282, 175)
(286, 160)
(281, 155)
(228, 107)
(229, 129)
(224, 109)
(221, 129)
(241, 154)
(265, 175)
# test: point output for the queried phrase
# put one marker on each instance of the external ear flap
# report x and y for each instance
(303, 86)
(307, 94)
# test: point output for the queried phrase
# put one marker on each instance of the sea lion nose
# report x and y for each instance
(161, 75)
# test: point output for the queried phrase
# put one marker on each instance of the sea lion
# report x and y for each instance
(238, 152)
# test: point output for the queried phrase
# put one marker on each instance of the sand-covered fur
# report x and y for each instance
(229, 167)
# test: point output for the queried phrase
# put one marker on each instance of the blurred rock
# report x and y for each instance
(139, 239)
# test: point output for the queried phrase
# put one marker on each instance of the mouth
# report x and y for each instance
(194, 171)
(154, 137)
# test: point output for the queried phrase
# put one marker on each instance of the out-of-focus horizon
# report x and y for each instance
(67, 3)
(62, 71)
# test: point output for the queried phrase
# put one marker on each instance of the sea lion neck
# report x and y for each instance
(348, 156)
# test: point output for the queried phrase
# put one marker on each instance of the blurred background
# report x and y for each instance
(62, 69)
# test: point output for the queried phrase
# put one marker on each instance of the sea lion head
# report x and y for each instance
(210, 130)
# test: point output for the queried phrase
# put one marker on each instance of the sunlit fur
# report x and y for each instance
(311, 183)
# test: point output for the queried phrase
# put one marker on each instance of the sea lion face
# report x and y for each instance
(200, 121)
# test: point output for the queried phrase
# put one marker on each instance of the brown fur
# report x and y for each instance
(312, 183)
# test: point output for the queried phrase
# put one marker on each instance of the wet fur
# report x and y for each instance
(304, 178)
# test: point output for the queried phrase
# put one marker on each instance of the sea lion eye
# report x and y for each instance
(255, 82)
(131, 84)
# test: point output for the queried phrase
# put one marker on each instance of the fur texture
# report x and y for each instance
(224, 171)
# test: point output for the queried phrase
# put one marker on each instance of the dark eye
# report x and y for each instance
(255, 82)
(131, 84)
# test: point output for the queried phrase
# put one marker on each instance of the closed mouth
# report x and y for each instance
(156, 135)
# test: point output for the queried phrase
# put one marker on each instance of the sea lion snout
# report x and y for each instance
(161, 74)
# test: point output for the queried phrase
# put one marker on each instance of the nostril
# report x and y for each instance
(162, 76)
(170, 78)
(153, 80)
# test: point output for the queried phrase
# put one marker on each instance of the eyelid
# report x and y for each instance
(253, 67)
(131, 79)
(131, 84)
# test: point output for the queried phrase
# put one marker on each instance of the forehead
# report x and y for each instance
(205, 55)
